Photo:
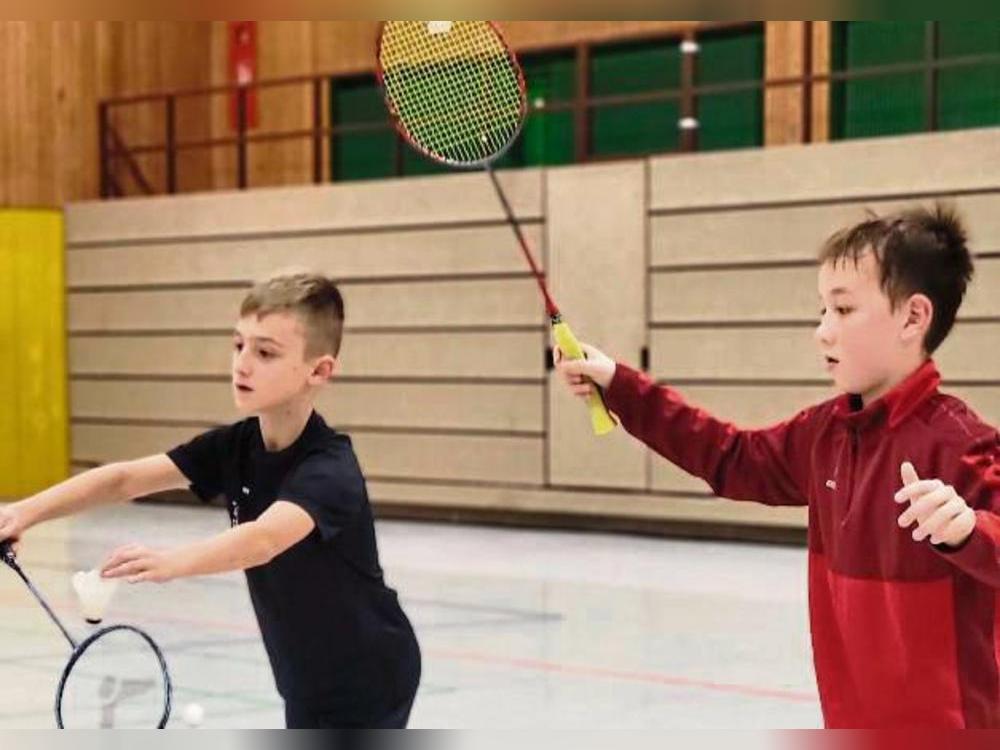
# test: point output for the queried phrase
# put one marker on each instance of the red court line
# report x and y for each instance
(652, 678)
(535, 665)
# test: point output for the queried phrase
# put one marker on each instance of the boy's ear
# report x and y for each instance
(919, 314)
(326, 367)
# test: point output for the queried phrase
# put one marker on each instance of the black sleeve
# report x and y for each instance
(329, 487)
(201, 460)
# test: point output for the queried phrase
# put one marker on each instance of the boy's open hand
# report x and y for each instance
(139, 564)
(581, 374)
(939, 512)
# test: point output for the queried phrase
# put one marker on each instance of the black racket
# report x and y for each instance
(116, 678)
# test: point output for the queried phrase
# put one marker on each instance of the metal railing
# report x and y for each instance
(117, 157)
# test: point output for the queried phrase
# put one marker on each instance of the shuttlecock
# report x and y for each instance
(439, 27)
(93, 593)
(193, 714)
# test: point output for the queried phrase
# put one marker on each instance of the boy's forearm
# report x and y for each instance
(99, 486)
(736, 463)
(239, 548)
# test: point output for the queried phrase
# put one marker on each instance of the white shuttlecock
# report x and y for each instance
(193, 714)
(94, 594)
(439, 27)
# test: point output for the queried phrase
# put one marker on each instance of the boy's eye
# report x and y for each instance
(265, 354)
(844, 310)
(238, 346)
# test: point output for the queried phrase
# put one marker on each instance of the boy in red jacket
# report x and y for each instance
(905, 626)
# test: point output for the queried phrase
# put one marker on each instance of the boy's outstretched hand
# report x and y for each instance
(581, 374)
(139, 564)
(939, 512)
(12, 525)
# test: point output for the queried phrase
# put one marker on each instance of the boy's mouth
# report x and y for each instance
(831, 362)
(243, 388)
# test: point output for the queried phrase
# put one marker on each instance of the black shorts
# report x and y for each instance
(300, 717)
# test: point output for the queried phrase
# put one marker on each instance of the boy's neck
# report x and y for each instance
(281, 426)
(892, 381)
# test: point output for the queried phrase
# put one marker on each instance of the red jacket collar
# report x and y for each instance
(895, 405)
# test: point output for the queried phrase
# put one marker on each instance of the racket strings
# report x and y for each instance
(461, 74)
(458, 94)
(117, 681)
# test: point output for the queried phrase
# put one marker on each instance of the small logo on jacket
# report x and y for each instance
(831, 484)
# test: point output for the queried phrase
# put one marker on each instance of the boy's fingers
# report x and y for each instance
(937, 520)
(119, 556)
(917, 489)
(131, 567)
(8, 527)
(575, 368)
(958, 528)
(908, 473)
(923, 507)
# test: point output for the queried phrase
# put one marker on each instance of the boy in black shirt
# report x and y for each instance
(342, 650)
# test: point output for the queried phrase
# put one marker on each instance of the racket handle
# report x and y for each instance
(7, 553)
(600, 418)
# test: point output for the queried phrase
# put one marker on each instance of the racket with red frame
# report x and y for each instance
(456, 93)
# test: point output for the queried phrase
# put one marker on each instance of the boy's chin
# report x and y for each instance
(247, 407)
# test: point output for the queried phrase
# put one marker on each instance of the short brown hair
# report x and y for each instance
(313, 297)
(918, 251)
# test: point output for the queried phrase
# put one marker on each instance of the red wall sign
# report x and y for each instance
(243, 68)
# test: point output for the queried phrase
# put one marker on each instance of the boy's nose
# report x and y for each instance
(822, 334)
(240, 366)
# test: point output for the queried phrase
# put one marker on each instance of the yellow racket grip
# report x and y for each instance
(600, 418)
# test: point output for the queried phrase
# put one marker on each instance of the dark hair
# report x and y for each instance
(918, 251)
(313, 297)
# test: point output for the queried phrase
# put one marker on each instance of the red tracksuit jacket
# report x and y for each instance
(903, 633)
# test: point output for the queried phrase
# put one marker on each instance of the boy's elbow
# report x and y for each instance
(264, 547)
(116, 481)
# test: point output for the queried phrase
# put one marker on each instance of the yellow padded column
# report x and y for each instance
(34, 419)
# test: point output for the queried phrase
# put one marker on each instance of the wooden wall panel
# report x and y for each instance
(494, 303)
(765, 234)
(859, 170)
(497, 459)
(44, 88)
(783, 105)
(429, 202)
(597, 245)
(783, 59)
(788, 352)
(53, 74)
(413, 254)
(791, 294)
(693, 514)
(486, 407)
(447, 355)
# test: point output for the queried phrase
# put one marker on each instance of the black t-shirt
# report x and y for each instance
(334, 632)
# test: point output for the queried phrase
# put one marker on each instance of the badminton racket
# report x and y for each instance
(456, 93)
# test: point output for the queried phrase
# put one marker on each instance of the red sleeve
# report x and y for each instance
(768, 465)
(977, 480)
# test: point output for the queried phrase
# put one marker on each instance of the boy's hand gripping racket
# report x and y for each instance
(456, 93)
